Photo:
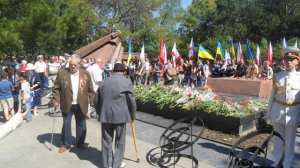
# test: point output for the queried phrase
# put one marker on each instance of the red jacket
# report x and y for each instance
(22, 68)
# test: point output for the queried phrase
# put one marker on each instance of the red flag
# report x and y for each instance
(161, 53)
(165, 55)
(270, 54)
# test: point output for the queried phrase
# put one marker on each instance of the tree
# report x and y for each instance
(31, 27)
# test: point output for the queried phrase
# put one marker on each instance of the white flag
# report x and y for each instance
(142, 54)
(175, 54)
(240, 57)
(191, 48)
(257, 58)
(284, 45)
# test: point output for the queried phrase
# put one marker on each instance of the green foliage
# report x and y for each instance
(163, 98)
(256, 20)
(51, 27)
(30, 27)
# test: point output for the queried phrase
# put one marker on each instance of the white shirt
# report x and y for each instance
(40, 67)
(53, 68)
(96, 75)
(147, 66)
(206, 70)
(25, 88)
(75, 86)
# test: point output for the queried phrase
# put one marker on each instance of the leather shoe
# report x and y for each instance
(82, 146)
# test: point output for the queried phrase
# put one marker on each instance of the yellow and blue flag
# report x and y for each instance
(249, 53)
(232, 51)
(219, 51)
(129, 52)
(204, 54)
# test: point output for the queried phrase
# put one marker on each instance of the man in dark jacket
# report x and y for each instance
(116, 107)
(241, 70)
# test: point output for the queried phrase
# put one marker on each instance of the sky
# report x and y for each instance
(185, 3)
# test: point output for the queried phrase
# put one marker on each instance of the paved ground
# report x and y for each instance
(29, 146)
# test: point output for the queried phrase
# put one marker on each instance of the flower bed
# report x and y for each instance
(226, 114)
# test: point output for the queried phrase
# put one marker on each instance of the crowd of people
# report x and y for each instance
(30, 79)
(194, 72)
(22, 83)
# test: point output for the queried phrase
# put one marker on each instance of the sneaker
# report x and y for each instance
(123, 164)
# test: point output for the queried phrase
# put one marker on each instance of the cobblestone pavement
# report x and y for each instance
(29, 146)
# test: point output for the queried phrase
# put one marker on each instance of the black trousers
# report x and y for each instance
(66, 133)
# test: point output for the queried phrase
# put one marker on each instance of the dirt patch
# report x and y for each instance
(229, 139)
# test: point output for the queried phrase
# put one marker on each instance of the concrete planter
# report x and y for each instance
(227, 124)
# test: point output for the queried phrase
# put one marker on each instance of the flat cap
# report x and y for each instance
(118, 67)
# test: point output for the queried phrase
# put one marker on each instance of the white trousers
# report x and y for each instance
(288, 132)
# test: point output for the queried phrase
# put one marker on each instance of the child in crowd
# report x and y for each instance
(26, 97)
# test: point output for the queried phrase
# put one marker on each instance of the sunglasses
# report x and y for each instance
(290, 59)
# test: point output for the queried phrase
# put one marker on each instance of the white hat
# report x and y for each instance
(67, 55)
(24, 62)
(29, 67)
(291, 50)
(62, 58)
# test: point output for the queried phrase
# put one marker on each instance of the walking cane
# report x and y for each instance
(53, 125)
(133, 137)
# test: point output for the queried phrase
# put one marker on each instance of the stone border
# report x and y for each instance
(227, 124)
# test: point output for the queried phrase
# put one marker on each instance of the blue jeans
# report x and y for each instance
(28, 110)
(66, 134)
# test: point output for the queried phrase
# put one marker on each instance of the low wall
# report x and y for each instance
(247, 87)
(226, 124)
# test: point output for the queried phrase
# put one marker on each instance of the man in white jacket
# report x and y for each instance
(284, 106)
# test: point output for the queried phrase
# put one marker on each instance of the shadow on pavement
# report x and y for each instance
(2, 120)
(90, 153)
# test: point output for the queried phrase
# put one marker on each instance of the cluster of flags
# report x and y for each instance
(233, 54)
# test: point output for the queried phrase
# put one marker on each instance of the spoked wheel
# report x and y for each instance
(179, 136)
(156, 157)
(255, 156)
